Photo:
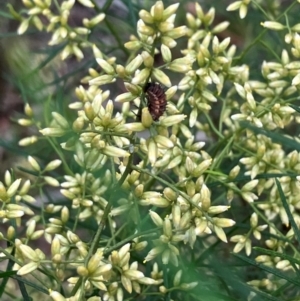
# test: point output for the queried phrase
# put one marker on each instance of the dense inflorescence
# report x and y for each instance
(124, 163)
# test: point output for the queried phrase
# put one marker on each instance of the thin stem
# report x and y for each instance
(240, 58)
(96, 239)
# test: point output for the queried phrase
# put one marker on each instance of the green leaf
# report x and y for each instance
(275, 136)
(277, 254)
(293, 261)
(267, 269)
(288, 211)
(296, 108)
(7, 274)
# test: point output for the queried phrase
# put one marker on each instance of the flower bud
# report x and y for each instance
(102, 80)
(11, 233)
(146, 17)
(28, 141)
(25, 122)
(170, 194)
(82, 271)
(147, 119)
(133, 45)
(61, 121)
(89, 111)
(53, 132)
(166, 53)
(148, 59)
(134, 64)
(105, 66)
(138, 191)
(161, 77)
(273, 25)
(141, 76)
(158, 10)
(158, 221)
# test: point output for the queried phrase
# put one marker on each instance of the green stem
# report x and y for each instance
(107, 5)
(128, 239)
(96, 239)
(240, 58)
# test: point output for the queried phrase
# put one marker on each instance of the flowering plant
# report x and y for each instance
(168, 152)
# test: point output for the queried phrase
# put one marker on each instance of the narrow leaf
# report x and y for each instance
(288, 211)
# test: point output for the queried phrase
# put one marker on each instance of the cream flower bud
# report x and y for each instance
(234, 172)
(124, 97)
(157, 11)
(28, 252)
(170, 10)
(147, 119)
(133, 45)
(94, 21)
(152, 151)
(220, 233)
(133, 274)
(170, 194)
(253, 220)
(273, 25)
(102, 80)
(165, 27)
(53, 132)
(77, 52)
(131, 127)
(28, 110)
(202, 167)
(124, 251)
(138, 191)
(3, 193)
(167, 227)
(134, 89)
(144, 29)
(23, 26)
(169, 42)
(163, 141)
(25, 188)
(28, 141)
(177, 32)
(217, 209)
(120, 71)
(148, 59)
(172, 120)
(158, 221)
(250, 185)
(223, 222)
(34, 163)
(185, 220)
(146, 17)
(234, 6)
(78, 124)
(27, 268)
(141, 76)
(179, 67)
(61, 121)
(115, 151)
(166, 53)
(89, 111)
(175, 162)
(171, 92)
(161, 77)
(220, 27)
(105, 66)
(296, 80)
(82, 271)
(25, 122)
(51, 181)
